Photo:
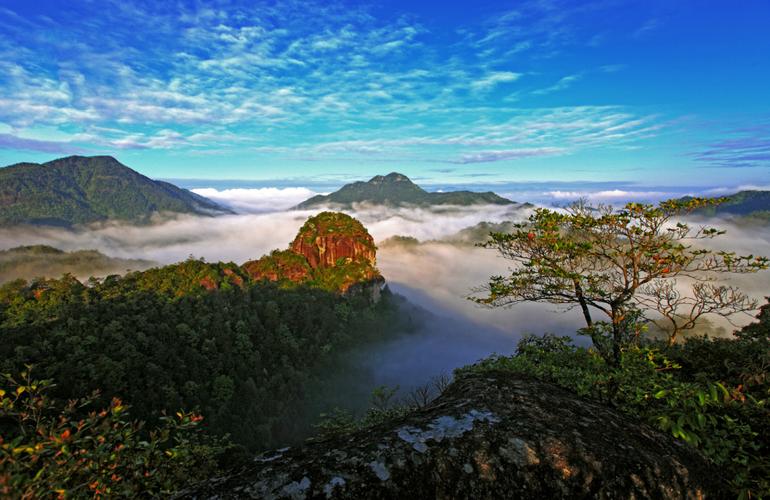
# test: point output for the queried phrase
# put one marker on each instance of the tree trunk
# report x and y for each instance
(583, 305)
(672, 338)
(617, 336)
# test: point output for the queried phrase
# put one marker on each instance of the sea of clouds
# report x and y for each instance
(437, 275)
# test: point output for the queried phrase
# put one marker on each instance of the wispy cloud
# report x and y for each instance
(647, 28)
(492, 79)
(508, 154)
(562, 84)
(331, 81)
(745, 148)
(528, 133)
(10, 141)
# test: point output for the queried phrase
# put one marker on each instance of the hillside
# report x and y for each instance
(36, 261)
(743, 203)
(192, 335)
(215, 336)
(396, 189)
(80, 190)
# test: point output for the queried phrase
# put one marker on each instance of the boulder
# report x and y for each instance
(490, 435)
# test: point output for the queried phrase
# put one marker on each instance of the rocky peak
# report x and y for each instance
(390, 178)
(396, 177)
(490, 435)
(331, 250)
(333, 238)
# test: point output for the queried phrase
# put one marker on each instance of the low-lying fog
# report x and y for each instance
(437, 274)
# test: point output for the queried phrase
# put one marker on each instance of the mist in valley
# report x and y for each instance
(435, 274)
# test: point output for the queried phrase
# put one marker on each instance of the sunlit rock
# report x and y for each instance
(490, 435)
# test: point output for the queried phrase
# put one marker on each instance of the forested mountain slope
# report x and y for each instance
(80, 189)
(36, 261)
(397, 189)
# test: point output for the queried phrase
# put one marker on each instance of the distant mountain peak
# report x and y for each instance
(747, 203)
(396, 189)
(83, 189)
(86, 160)
(391, 177)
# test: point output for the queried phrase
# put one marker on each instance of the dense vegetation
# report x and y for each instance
(77, 449)
(755, 204)
(78, 190)
(711, 393)
(396, 189)
(188, 336)
(37, 261)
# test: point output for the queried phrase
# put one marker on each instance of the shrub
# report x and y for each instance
(72, 450)
(714, 409)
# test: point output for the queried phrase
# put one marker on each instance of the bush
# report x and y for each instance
(712, 394)
(72, 450)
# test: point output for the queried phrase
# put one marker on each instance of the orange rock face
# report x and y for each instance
(234, 278)
(209, 284)
(331, 250)
(332, 239)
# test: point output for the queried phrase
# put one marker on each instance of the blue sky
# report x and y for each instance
(641, 93)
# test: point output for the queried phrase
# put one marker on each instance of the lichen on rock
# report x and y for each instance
(445, 426)
(491, 435)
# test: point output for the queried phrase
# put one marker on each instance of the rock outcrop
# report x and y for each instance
(333, 238)
(332, 250)
(490, 435)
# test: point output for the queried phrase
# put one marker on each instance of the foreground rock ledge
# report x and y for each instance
(494, 435)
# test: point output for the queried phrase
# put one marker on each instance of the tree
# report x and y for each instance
(623, 264)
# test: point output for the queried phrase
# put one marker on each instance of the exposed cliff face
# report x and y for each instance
(491, 435)
(331, 250)
(332, 238)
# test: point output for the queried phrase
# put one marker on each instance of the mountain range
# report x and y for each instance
(397, 189)
(80, 190)
(755, 204)
(42, 261)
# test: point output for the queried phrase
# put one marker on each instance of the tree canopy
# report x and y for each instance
(639, 262)
(194, 335)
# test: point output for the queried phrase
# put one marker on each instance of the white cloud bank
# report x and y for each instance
(611, 195)
(438, 272)
(259, 200)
